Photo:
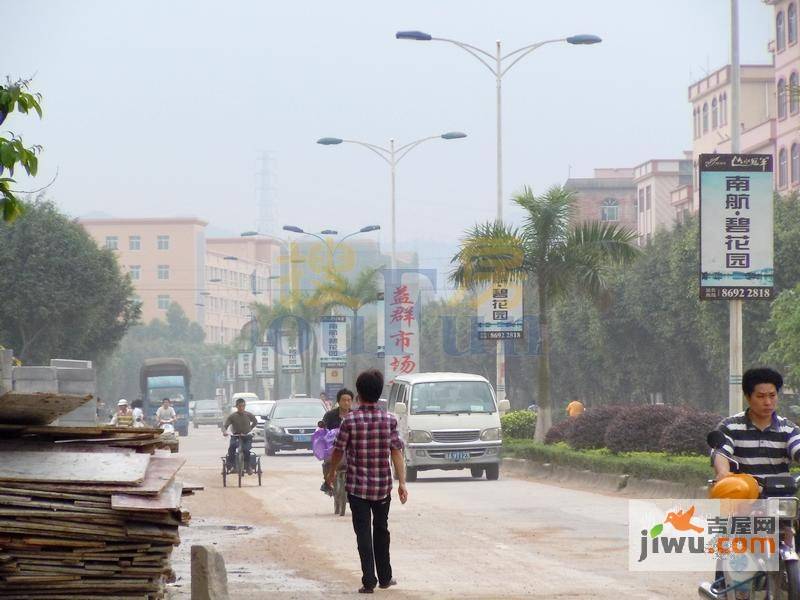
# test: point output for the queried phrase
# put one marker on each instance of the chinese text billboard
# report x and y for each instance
(333, 341)
(500, 312)
(736, 222)
(401, 305)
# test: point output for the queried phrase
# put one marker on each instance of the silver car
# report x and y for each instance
(207, 412)
(260, 409)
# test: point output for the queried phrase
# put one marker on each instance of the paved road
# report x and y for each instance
(456, 537)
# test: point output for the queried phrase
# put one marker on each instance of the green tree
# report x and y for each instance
(557, 256)
(13, 152)
(353, 295)
(176, 337)
(62, 295)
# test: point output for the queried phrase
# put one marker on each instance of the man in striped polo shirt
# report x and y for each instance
(761, 441)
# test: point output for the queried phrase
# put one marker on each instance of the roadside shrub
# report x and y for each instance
(639, 428)
(558, 432)
(687, 434)
(588, 430)
(518, 424)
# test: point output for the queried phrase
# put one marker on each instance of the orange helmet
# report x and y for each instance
(739, 486)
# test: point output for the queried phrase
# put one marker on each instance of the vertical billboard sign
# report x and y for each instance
(230, 370)
(500, 312)
(736, 226)
(291, 361)
(265, 361)
(245, 369)
(401, 310)
(333, 341)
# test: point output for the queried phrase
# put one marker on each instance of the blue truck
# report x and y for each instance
(161, 378)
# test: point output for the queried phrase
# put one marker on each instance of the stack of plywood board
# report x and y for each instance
(86, 513)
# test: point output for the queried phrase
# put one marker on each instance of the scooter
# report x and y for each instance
(783, 584)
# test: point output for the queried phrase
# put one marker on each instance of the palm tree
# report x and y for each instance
(555, 255)
(351, 294)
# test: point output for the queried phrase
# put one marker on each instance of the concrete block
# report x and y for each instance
(209, 578)
(65, 363)
(34, 379)
(70, 374)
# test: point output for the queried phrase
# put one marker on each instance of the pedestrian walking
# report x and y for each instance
(368, 438)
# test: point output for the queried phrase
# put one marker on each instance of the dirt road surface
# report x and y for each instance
(457, 537)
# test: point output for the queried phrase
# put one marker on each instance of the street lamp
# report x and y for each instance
(392, 156)
(496, 67)
(332, 252)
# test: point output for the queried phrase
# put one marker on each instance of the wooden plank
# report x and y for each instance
(168, 499)
(37, 409)
(24, 492)
(74, 467)
(37, 541)
(160, 472)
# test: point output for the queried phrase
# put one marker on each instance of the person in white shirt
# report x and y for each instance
(165, 415)
(138, 413)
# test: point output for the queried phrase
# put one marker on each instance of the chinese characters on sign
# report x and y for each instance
(245, 369)
(736, 226)
(402, 327)
(230, 370)
(500, 312)
(333, 341)
(265, 361)
(291, 361)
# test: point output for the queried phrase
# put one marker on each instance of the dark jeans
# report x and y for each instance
(247, 443)
(373, 544)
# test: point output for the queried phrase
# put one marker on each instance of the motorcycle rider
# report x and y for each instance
(240, 422)
(165, 415)
(761, 441)
(123, 417)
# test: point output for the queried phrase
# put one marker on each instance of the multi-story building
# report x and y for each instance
(214, 280)
(609, 196)
(655, 182)
(165, 259)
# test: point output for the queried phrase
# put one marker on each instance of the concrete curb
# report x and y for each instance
(624, 485)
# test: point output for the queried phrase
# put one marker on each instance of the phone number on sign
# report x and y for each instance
(731, 293)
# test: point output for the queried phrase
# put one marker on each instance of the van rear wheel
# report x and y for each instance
(476, 471)
(493, 472)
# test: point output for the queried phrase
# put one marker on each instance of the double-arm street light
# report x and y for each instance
(392, 156)
(331, 249)
(495, 64)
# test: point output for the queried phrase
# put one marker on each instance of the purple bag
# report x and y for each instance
(322, 442)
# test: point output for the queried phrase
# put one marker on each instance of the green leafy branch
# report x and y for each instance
(14, 95)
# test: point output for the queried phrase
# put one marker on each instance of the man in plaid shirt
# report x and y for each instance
(368, 436)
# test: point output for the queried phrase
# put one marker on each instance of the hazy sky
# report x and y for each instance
(161, 108)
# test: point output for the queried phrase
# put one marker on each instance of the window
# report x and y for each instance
(705, 117)
(780, 34)
(714, 114)
(135, 271)
(112, 242)
(781, 98)
(163, 302)
(647, 195)
(791, 15)
(163, 271)
(609, 210)
(641, 200)
(794, 98)
(782, 168)
(134, 242)
(163, 242)
(723, 109)
(695, 123)
(795, 157)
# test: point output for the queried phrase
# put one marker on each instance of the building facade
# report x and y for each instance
(655, 182)
(609, 196)
(165, 259)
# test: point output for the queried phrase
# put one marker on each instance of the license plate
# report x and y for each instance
(301, 438)
(459, 456)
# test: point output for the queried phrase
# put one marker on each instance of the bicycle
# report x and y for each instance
(241, 462)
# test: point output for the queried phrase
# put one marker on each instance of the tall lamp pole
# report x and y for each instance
(331, 249)
(496, 66)
(392, 156)
(735, 358)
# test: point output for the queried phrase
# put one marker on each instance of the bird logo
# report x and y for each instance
(680, 520)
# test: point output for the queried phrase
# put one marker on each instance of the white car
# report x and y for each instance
(448, 421)
(260, 409)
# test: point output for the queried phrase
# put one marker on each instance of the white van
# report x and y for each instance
(448, 421)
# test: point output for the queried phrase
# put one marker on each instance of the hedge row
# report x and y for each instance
(692, 470)
(518, 424)
(639, 428)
